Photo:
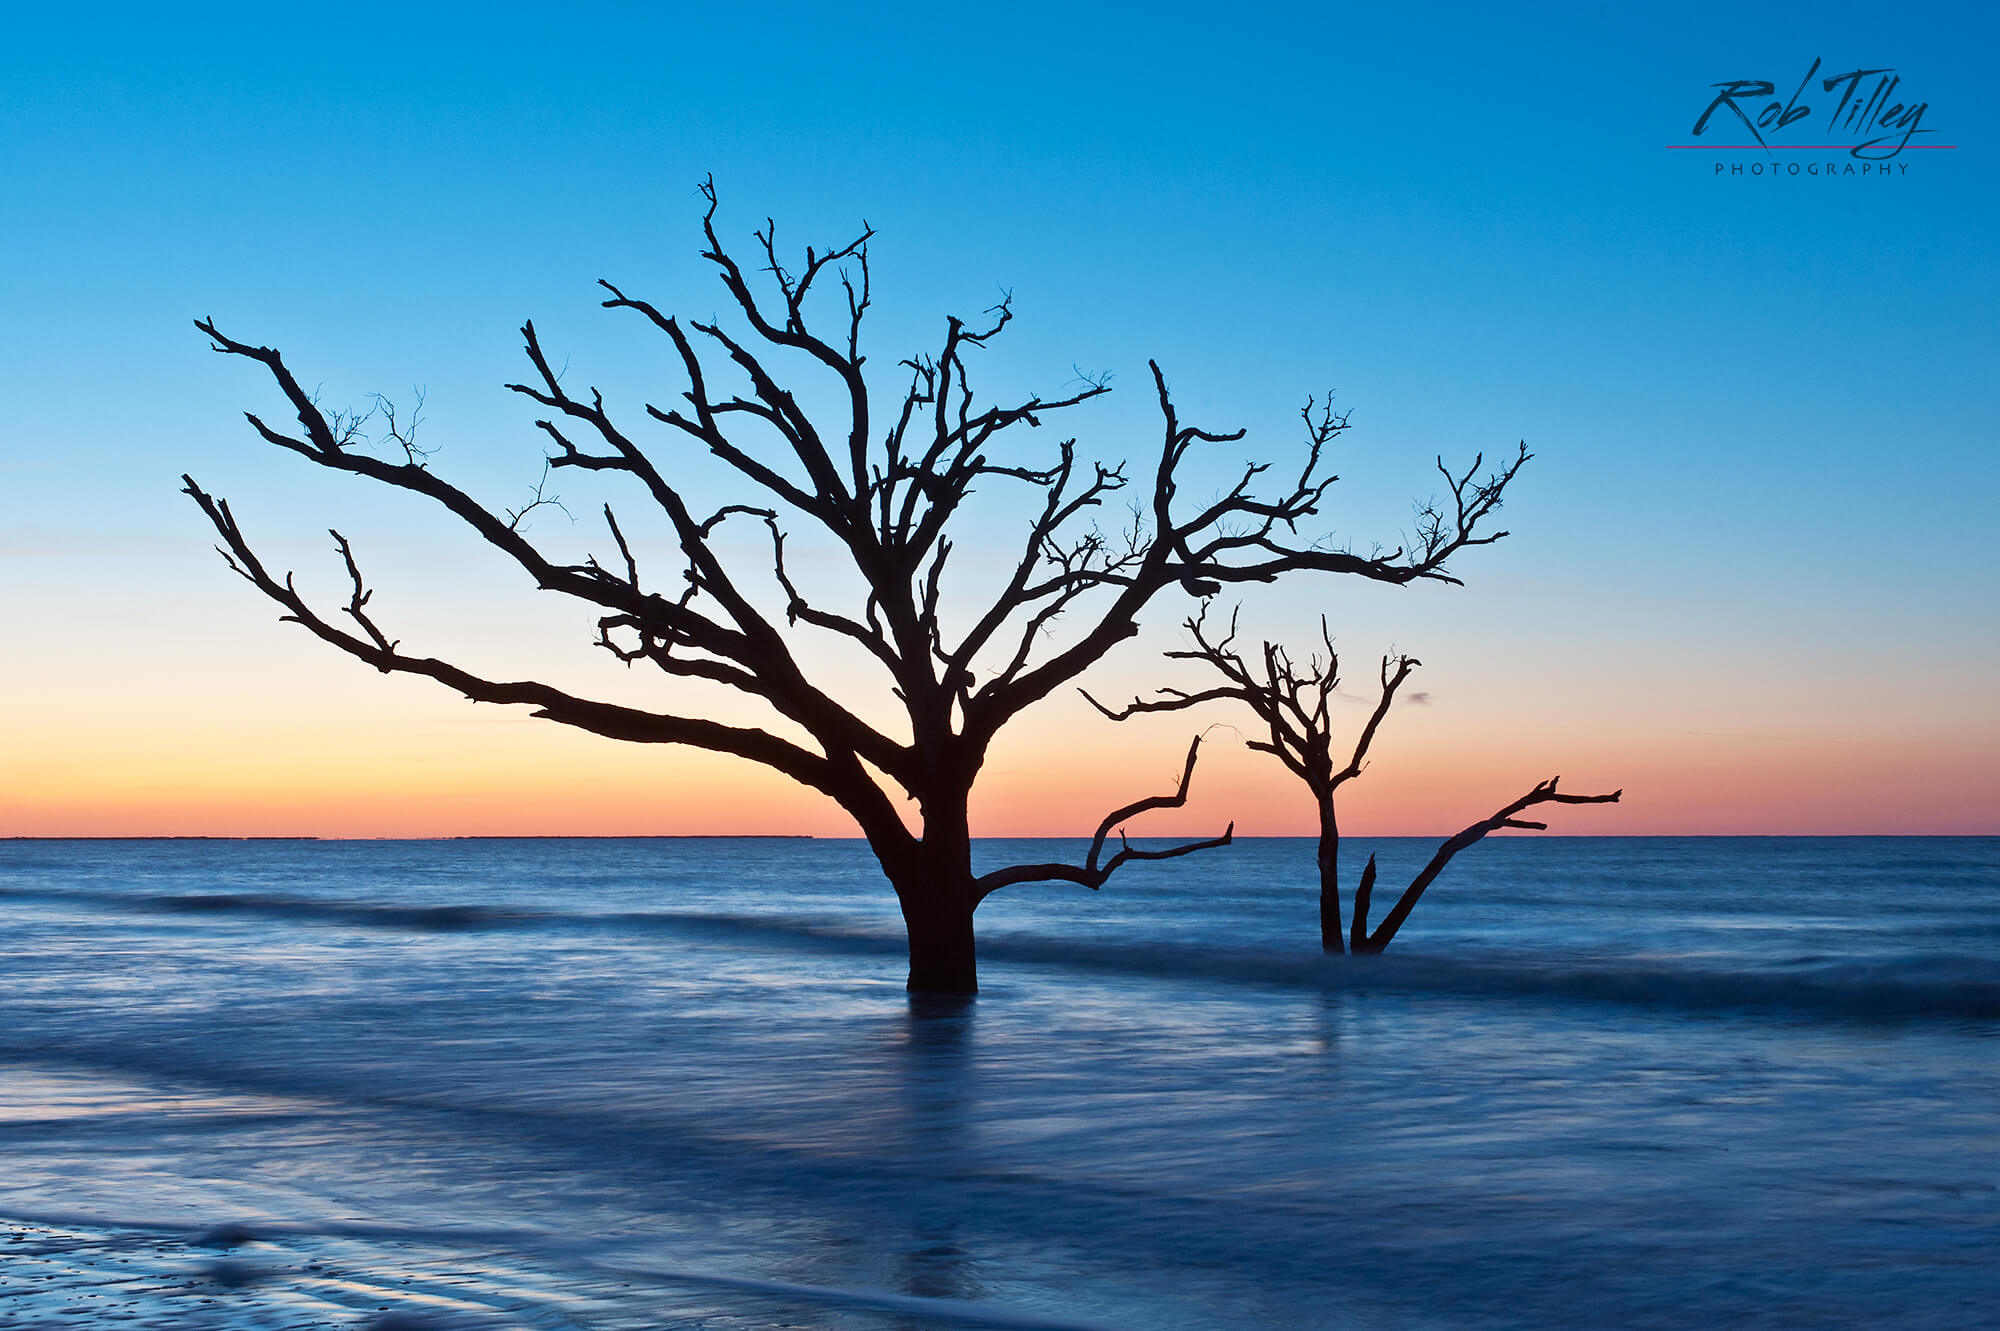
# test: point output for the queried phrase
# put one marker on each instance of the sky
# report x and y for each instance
(1750, 578)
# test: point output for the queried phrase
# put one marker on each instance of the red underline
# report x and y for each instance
(1808, 147)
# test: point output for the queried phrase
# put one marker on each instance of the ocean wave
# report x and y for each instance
(1896, 987)
(451, 918)
(1900, 988)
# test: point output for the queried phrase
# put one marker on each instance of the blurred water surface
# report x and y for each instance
(1642, 1082)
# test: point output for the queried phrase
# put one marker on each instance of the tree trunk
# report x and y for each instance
(934, 885)
(941, 952)
(1329, 878)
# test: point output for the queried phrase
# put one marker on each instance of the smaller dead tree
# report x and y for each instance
(1293, 702)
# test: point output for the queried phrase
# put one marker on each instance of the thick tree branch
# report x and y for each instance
(1093, 874)
(1542, 794)
(617, 722)
(768, 669)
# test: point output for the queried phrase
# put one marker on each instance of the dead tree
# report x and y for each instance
(885, 488)
(1292, 703)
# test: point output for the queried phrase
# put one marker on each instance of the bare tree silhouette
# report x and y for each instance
(886, 490)
(1292, 702)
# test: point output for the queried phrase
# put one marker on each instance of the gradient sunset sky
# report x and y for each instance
(1752, 576)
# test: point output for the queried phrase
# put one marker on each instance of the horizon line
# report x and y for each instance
(809, 836)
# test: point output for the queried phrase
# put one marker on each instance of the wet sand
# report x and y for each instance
(287, 1278)
(52, 1276)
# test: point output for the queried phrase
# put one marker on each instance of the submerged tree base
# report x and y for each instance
(942, 961)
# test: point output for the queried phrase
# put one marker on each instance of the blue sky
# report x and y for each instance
(1761, 407)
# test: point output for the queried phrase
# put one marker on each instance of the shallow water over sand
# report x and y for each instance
(1649, 1082)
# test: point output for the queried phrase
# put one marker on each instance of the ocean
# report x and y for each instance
(1596, 1082)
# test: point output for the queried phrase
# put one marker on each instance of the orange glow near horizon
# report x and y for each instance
(454, 770)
